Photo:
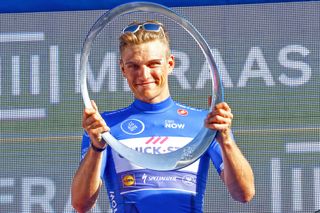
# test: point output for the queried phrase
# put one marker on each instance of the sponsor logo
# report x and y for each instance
(132, 126)
(144, 178)
(156, 145)
(156, 140)
(188, 180)
(128, 180)
(156, 149)
(113, 203)
(155, 178)
(182, 112)
(171, 124)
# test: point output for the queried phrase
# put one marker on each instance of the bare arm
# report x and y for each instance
(237, 173)
(86, 182)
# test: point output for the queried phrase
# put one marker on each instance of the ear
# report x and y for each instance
(121, 67)
(171, 63)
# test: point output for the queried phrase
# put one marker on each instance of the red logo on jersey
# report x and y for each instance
(182, 112)
(157, 139)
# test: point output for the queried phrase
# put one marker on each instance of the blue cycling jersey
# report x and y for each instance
(155, 128)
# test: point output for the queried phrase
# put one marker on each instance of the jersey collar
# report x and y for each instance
(148, 107)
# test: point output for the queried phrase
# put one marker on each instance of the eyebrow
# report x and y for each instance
(151, 61)
(156, 60)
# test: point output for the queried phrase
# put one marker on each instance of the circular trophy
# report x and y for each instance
(194, 149)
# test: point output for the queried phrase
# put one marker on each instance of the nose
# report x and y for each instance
(145, 71)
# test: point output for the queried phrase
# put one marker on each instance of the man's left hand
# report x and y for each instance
(220, 119)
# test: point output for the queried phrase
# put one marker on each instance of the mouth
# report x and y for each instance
(145, 83)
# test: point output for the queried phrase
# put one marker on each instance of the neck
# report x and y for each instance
(157, 99)
(153, 107)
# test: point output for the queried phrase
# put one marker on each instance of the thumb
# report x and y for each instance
(94, 105)
(209, 100)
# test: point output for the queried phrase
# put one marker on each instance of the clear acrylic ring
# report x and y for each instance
(194, 149)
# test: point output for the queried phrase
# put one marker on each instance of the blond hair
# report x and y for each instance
(143, 36)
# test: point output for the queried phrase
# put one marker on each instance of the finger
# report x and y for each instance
(93, 118)
(220, 112)
(87, 112)
(209, 100)
(85, 116)
(88, 119)
(94, 105)
(224, 113)
(95, 134)
(218, 119)
(90, 110)
(218, 127)
(94, 121)
(223, 105)
(91, 115)
(97, 128)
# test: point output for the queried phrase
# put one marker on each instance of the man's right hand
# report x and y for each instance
(94, 125)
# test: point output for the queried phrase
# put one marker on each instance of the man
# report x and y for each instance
(146, 62)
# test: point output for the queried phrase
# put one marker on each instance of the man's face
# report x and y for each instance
(146, 67)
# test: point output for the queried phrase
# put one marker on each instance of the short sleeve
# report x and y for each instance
(85, 145)
(84, 149)
(216, 156)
